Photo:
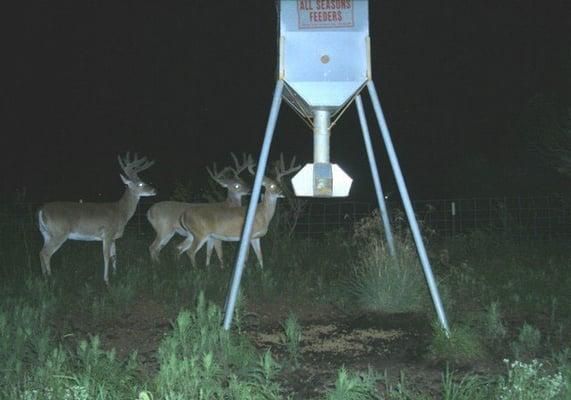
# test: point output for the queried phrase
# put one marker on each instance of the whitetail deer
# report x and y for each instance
(165, 215)
(60, 221)
(225, 224)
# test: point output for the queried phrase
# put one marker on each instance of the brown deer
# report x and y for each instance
(105, 222)
(214, 221)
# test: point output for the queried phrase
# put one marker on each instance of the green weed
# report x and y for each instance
(354, 386)
(461, 347)
(493, 326)
(293, 334)
(527, 344)
(468, 387)
(528, 381)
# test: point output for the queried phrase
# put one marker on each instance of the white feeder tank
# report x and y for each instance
(324, 61)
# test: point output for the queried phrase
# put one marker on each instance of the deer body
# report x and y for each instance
(88, 221)
(164, 217)
(226, 223)
(105, 222)
(212, 221)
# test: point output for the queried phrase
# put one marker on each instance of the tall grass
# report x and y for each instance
(380, 282)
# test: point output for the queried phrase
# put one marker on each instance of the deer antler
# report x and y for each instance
(131, 168)
(281, 170)
(247, 162)
(218, 176)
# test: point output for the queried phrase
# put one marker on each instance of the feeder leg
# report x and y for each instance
(408, 207)
(247, 229)
(375, 173)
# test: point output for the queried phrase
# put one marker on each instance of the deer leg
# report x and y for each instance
(209, 246)
(188, 243)
(160, 241)
(196, 245)
(51, 245)
(184, 246)
(113, 254)
(217, 245)
(218, 248)
(258, 250)
(106, 256)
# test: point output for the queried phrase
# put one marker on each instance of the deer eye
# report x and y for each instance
(237, 186)
(140, 184)
(273, 186)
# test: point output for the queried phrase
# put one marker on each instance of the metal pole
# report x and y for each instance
(321, 135)
(408, 207)
(247, 229)
(375, 173)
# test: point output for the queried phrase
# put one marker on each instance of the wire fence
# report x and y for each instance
(522, 217)
(531, 217)
(321, 216)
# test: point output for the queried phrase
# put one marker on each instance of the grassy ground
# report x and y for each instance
(332, 318)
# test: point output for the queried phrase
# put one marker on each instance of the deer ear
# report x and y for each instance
(125, 180)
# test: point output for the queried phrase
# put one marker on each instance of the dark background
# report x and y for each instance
(186, 82)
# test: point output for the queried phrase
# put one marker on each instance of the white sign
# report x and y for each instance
(325, 14)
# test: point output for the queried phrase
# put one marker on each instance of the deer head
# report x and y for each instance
(130, 178)
(275, 187)
(229, 179)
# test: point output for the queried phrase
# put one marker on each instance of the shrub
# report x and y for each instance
(528, 381)
(563, 362)
(462, 346)
(380, 282)
(528, 342)
(493, 327)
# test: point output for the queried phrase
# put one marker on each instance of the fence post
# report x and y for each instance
(475, 214)
(548, 218)
(453, 213)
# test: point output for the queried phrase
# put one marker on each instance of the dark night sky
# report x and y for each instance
(186, 82)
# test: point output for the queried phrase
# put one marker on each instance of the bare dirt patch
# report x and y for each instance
(332, 339)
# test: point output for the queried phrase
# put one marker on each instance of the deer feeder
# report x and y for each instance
(324, 62)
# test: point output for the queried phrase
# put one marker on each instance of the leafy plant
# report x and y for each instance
(528, 381)
(293, 333)
(493, 326)
(199, 360)
(354, 386)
